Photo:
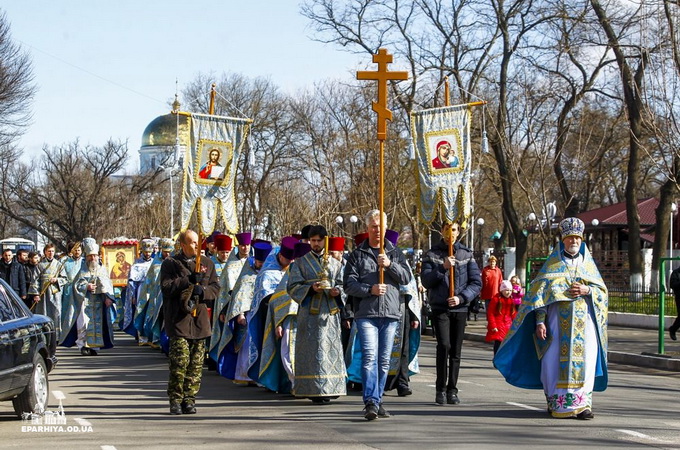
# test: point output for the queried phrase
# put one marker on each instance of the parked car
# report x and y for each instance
(27, 354)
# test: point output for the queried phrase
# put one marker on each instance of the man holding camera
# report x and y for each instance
(187, 295)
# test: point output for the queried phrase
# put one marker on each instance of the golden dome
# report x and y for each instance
(162, 131)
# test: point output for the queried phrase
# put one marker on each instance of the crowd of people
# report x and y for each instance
(308, 318)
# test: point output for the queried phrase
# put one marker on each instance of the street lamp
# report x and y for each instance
(339, 220)
(594, 223)
(480, 223)
(674, 208)
(532, 220)
(354, 219)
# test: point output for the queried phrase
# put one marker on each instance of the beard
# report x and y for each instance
(573, 249)
(92, 265)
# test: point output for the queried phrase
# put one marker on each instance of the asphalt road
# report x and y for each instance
(117, 400)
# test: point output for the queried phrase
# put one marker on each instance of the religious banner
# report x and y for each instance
(118, 255)
(441, 139)
(210, 171)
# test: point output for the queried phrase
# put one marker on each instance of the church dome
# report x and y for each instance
(162, 131)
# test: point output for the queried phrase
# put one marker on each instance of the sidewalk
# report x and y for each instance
(631, 346)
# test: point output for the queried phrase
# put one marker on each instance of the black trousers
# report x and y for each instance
(401, 378)
(676, 323)
(449, 329)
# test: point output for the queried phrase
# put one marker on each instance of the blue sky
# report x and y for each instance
(106, 69)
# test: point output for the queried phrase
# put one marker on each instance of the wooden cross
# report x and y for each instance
(382, 75)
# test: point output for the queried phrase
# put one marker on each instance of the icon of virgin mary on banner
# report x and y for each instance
(210, 170)
(441, 139)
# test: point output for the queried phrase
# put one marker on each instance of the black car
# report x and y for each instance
(27, 345)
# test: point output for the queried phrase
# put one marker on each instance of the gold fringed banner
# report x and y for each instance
(210, 170)
(441, 139)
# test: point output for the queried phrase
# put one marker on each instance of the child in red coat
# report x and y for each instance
(500, 315)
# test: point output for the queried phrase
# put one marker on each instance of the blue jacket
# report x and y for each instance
(467, 277)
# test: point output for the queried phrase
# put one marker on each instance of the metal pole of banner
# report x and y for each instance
(382, 75)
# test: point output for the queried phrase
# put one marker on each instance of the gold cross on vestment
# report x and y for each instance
(382, 75)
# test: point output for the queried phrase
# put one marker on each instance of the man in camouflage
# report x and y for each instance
(187, 295)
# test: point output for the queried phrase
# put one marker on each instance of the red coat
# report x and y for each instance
(500, 320)
(491, 281)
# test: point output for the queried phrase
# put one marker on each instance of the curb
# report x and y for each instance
(631, 359)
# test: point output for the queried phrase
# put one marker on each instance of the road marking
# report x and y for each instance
(83, 422)
(522, 405)
(108, 447)
(470, 382)
(637, 434)
(58, 395)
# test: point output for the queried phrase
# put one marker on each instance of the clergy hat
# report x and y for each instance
(336, 244)
(288, 247)
(204, 245)
(262, 249)
(392, 236)
(222, 243)
(360, 238)
(90, 247)
(305, 231)
(147, 245)
(297, 236)
(166, 245)
(212, 237)
(244, 238)
(301, 249)
(572, 226)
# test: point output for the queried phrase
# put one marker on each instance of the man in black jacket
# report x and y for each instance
(187, 322)
(13, 273)
(376, 308)
(449, 313)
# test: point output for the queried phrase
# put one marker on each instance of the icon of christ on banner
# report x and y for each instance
(212, 169)
(213, 161)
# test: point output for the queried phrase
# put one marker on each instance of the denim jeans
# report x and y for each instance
(377, 338)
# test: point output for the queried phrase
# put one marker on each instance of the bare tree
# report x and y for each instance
(16, 86)
(618, 24)
(74, 193)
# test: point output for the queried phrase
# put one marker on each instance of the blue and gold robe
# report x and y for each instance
(136, 278)
(267, 280)
(319, 363)
(228, 278)
(520, 359)
(69, 310)
(233, 335)
(281, 311)
(150, 304)
(99, 332)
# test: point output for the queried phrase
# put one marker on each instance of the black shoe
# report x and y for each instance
(451, 398)
(439, 398)
(188, 408)
(672, 333)
(382, 412)
(586, 414)
(403, 391)
(87, 351)
(175, 409)
(371, 411)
